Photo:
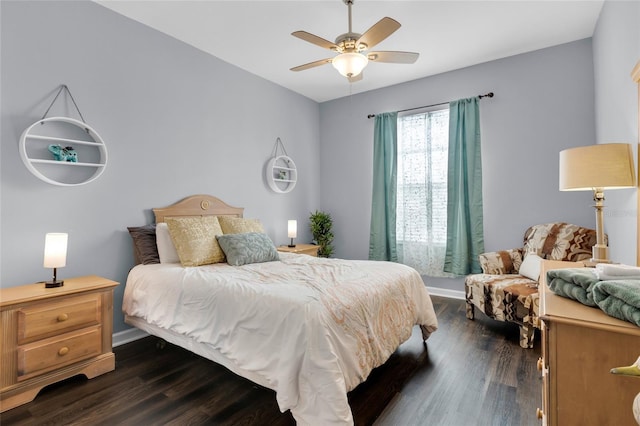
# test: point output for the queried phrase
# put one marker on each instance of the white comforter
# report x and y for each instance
(311, 328)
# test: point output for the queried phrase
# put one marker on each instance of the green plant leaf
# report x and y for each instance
(320, 224)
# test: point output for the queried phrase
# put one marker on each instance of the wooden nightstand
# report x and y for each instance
(50, 334)
(309, 249)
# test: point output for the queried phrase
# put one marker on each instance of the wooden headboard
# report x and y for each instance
(197, 205)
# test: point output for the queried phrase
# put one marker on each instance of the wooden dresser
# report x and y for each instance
(580, 345)
(50, 334)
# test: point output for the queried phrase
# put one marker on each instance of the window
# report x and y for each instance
(421, 221)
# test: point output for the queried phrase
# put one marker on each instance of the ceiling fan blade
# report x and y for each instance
(378, 32)
(312, 64)
(355, 78)
(314, 39)
(393, 57)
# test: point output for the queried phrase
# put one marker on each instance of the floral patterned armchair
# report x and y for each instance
(503, 293)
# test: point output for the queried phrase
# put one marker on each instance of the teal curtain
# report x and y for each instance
(465, 235)
(382, 237)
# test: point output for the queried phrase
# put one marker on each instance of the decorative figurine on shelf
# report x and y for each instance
(632, 370)
(282, 174)
(66, 153)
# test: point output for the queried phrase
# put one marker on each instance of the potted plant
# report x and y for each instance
(321, 224)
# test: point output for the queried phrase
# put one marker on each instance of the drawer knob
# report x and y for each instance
(63, 351)
(63, 317)
(539, 364)
(539, 413)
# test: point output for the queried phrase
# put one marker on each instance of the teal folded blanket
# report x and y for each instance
(619, 299)
(573, 283)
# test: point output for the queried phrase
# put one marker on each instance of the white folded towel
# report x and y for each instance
(608, 271)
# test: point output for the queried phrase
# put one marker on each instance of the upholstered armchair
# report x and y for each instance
(507, 290)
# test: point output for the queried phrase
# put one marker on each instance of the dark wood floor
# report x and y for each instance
(470, 373)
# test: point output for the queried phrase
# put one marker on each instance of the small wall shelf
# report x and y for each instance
(65, 131)
(282, 174)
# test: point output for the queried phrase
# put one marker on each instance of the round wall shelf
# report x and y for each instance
(66, 132)
(282, 174)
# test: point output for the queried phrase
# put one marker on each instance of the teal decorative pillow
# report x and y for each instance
(251, 247)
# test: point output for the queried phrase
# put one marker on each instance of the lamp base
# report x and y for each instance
(53, 284)
(291, 245)
(600, 254)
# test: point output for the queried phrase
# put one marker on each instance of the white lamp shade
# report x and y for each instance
(55, 250)
(605, 166)
(350, 64)
(292, 229)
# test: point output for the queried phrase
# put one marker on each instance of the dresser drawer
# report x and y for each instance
(53, 318)
(45, 355)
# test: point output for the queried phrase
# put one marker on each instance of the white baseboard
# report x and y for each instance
(126, 336)
(444, 292)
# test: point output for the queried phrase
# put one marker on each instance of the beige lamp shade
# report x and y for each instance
(606, 166)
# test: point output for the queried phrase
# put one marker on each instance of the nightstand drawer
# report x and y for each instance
(45, 355)
(49, 319)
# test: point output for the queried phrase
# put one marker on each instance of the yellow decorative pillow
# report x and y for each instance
(195, 239)
(239, 225)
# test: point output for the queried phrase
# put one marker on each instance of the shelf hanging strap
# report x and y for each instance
(281, 145)
(64, 87)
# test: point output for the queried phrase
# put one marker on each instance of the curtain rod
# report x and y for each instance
(488, 95)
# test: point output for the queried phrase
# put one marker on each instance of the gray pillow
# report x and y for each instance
(144, 244)
(250, 247)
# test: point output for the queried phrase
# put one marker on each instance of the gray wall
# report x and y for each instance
(616, 50)
(175, 120)
(544, 103)
(178, 122)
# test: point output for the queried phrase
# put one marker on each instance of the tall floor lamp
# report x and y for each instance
(596, 168)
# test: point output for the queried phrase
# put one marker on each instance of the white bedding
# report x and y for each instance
(309, 328)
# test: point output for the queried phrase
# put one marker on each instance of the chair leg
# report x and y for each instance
(526, 336)
(470, 310)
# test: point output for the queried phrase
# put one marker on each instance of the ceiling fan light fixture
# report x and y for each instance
(350, 64)
(352, 48)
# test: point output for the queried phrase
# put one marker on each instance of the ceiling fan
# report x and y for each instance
(353, 48)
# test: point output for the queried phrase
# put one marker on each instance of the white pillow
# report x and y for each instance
(166, 250)
(529, 268)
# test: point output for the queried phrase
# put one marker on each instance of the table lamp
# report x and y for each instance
(292, 231)
(55, 256)
(596, 168)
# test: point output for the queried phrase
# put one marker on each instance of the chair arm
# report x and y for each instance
(501, 262)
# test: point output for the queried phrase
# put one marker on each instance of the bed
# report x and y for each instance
(311, 329)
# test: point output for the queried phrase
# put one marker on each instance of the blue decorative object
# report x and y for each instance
(66, 153)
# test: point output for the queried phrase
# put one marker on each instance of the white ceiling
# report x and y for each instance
(450, 34)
